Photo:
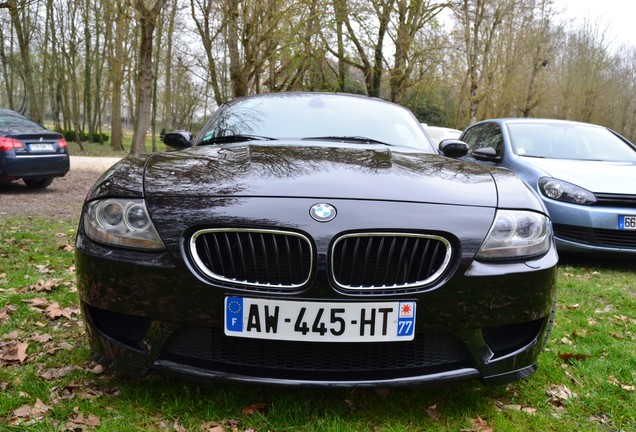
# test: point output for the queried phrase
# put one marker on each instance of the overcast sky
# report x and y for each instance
(615, 16)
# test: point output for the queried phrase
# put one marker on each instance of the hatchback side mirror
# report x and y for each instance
(178, 139)
(487, 154)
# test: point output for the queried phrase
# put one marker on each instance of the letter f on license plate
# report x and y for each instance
(319, 321)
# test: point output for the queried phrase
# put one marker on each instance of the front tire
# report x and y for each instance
(38, 182)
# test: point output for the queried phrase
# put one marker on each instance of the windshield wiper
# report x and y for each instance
(234, 138)
(359, 139)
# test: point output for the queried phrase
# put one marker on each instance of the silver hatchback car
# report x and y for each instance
(585, 174)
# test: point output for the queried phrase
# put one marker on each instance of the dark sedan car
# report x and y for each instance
(585, 174)
(30, 152)
(315, 239)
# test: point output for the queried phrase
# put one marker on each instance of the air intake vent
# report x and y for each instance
(388, 261)
(615, 200)
(267, 260)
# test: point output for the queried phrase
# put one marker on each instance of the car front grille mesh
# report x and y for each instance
(380, 261)
(624, 239)
(283, 261)
(615, 200)
(209, 348)
(262, 259)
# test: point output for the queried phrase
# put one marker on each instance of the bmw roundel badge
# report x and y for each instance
(322, 212)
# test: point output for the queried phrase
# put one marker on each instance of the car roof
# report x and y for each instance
(507, 120)
(7, 111)
(311, 94)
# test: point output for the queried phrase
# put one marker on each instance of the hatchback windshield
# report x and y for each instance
(317, 117)
(568, 141)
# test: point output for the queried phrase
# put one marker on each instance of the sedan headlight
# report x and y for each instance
(121, 222)
(563, 191)
(517, 234)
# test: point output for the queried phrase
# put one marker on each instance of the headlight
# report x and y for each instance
(517, 234)
(563, 191)
(121, 222)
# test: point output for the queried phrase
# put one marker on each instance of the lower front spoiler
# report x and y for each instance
(192, 373)
(429, 380)
(198, 374)
(479, 365)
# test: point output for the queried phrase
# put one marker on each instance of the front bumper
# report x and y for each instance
(158, 316)
(591, 229)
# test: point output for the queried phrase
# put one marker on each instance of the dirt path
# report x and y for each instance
(62, 200)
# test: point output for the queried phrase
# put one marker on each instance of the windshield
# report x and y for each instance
(8, 122)
(568, 141)
(321, 116)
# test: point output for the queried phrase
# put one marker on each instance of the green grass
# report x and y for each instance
(105, 150)
(585, 380)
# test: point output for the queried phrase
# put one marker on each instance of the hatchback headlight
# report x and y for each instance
(563, 191)
(517, 234)
(121, 222)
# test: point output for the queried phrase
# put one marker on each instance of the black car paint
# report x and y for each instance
(245, 188)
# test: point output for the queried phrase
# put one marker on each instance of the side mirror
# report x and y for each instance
(453, 148)
(178, 139)
(487, 154)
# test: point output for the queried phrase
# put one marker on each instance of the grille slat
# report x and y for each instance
(269, 260)
(403, 275)
(402, 260)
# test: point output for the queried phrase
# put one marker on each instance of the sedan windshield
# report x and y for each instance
(324, 117)
(569, 141)
(8, 122)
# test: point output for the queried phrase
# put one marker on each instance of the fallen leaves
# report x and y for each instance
(252, 409)
(574, 356)
(79, 420)
(13, 352)
(52, 309)
(559, 393)
(617, 383)
(480, 425)
(6, 310)
(35, 412)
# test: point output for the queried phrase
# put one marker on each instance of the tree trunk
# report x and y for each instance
(120, 22)
(147, 20)
(6, 73)
(237, 77)
(25, 56)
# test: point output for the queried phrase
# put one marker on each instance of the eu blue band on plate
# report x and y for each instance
(234, 314)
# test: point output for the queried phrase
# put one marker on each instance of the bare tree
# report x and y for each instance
(19, 11)
(480, 22)
(412, 16)
(147, 13)
(116, 24)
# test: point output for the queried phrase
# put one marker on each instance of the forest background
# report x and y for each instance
(94, 66)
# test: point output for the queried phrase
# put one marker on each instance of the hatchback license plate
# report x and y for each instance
(41, 147)
(319, 321)
(627, 222)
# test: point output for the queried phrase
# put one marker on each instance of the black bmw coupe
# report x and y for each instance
(315, 239)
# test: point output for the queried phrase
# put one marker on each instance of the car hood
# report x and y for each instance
(315, 171)
(595, 176)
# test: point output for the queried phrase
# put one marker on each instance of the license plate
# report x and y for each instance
(627, 222)
(41, 147)
(319, 321)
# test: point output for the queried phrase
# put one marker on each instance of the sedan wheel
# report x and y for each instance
(38, 182)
